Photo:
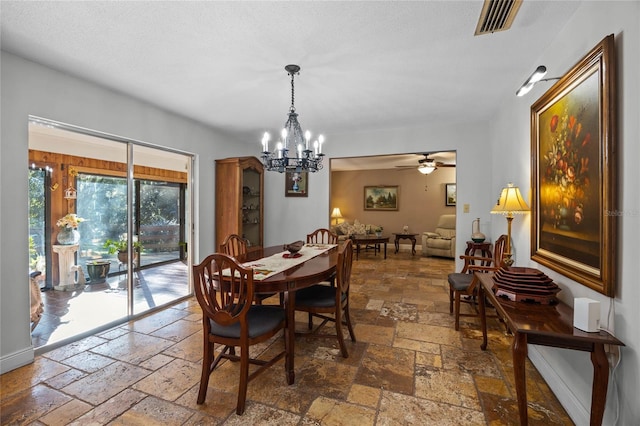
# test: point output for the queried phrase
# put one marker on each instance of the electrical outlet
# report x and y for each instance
(465, 208)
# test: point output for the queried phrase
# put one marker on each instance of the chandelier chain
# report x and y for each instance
(293, 108)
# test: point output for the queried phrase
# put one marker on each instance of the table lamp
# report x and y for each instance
(335, 214)
(510, 202)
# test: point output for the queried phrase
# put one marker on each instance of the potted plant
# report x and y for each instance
(120, 246)
(98, 270)
(378, 231)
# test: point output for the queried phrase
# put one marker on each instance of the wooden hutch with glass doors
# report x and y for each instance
(239, 200)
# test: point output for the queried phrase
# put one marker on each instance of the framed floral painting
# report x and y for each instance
(296, 184)
(573, 225)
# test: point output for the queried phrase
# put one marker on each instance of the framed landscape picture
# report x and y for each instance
(296, 184)
(450, 195)
(381, 197)
(574, 182)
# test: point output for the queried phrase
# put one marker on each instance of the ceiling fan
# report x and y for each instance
(426, 165)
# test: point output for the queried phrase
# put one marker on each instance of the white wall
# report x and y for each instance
(28, 88)
(569, 373)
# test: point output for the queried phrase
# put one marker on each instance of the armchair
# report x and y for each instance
(442, 241)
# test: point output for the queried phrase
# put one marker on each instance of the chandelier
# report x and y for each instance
(294, 152)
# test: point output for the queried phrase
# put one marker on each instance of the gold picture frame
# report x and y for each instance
(574, 181)
(381, 198)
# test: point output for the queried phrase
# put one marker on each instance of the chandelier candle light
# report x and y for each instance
(304, 158)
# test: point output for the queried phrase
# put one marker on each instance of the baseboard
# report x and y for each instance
(16, 359)
(576, 410)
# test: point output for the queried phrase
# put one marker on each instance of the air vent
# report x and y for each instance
(497, 15)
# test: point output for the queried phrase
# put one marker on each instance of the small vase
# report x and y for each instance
(68, 236)
(476, 235)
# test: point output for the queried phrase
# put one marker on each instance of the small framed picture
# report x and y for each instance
(296, 184)
(450, 194)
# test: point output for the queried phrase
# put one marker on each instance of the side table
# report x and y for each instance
(484, 248)
(411, 237)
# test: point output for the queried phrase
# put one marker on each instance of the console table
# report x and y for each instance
(411, 237)
(547, 325)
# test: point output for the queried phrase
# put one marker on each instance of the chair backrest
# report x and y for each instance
(345, 261)
(446, 226)
(498, 250)
(322, 236)
(234, 245)
(224, 289)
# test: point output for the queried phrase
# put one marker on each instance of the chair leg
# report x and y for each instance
(244, 379)
(343, 347)
(310, 321)
(347, 317)
(451, 299)
(457, 310)
(207, 359)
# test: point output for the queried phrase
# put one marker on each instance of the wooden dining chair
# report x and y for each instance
(322, 300)
(234, 245)
(464, 283)
(230, 319)
(322, 236)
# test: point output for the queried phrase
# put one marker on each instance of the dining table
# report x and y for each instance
(311, 271)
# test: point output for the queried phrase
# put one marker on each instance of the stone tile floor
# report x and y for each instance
(408, 366)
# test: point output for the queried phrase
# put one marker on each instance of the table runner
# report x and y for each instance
(274, 264)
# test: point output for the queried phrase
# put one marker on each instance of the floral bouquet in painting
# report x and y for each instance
(565, 172)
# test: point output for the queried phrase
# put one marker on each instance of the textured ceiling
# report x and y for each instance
(365, 65)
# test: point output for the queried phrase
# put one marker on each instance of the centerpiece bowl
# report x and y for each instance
(294, 247)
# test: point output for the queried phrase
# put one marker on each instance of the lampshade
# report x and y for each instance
(510, 202)
(336, 214)
(425, 169)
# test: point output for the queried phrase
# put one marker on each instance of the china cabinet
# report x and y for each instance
(239, 201)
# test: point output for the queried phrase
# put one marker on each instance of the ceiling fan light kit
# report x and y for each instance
(426, 169)
(428, 165)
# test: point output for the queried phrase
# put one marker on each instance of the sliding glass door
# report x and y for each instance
(127, 194)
